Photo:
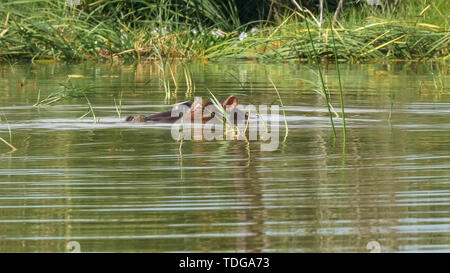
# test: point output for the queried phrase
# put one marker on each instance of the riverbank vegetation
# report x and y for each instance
(143, 30)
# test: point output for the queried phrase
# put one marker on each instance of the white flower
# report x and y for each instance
(73, 2)
(124, 36)
(242, 36)
(254, 30)
(194, 31)
(163, 31)
(373, 2)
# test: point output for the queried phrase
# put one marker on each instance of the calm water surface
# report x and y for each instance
(118, 187)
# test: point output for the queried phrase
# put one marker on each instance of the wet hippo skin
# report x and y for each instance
(196, 108)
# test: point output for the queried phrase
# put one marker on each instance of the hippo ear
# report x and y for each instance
(231, 102)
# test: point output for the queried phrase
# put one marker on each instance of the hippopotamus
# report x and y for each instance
(196, 109)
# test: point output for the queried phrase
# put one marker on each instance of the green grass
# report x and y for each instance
(145, 30)
(373, 39)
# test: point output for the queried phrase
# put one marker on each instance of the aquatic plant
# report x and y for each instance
(282, 109)
(70, 90)
(118, 106)
(137, 30)
(323, 89)
(13, 149)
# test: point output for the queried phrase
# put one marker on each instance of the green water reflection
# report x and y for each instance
(119, 187)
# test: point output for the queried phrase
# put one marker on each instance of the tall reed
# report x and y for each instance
(282, 109)
(341, 90)
(323, 86)
(13, 149)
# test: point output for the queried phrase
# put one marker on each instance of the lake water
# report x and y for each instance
(112, 186)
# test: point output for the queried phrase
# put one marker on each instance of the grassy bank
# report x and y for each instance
(146, 30)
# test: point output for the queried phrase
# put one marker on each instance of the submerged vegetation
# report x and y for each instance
(143, 30)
